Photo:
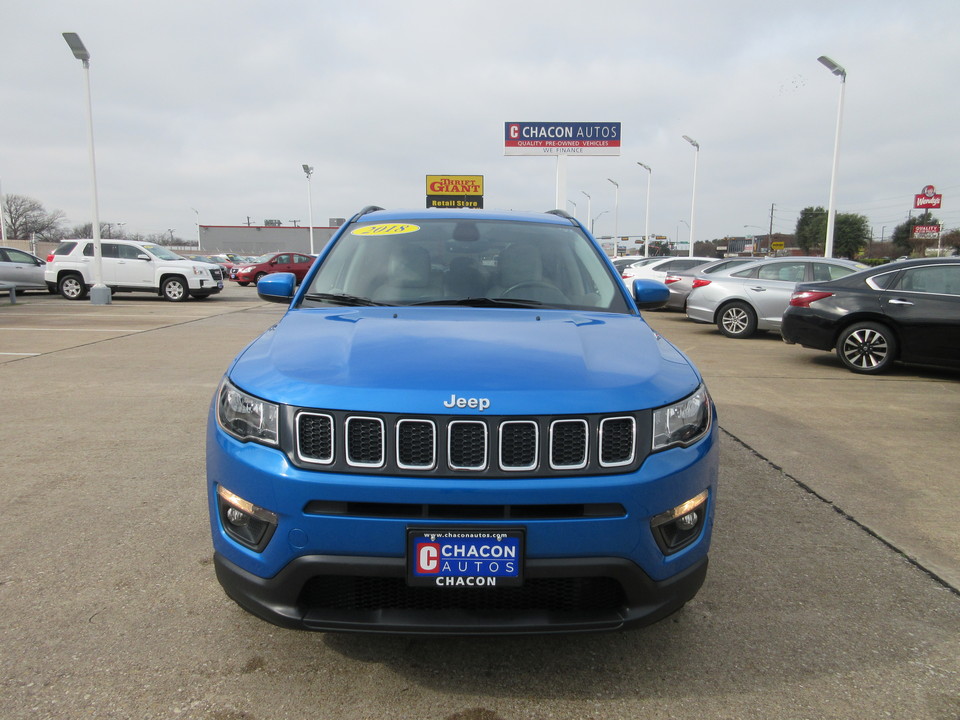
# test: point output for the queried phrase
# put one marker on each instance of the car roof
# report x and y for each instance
(373, 214)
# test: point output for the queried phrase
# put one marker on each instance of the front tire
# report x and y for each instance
(72, 287)
(867, 348)
(175, 289)
(737, 320)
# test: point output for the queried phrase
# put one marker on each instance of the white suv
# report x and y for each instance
(130, 266)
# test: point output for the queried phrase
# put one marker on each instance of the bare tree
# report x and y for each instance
(25, 217)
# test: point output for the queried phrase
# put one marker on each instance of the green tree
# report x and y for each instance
(851, 234)
(902, 237)
(811, 229)
(25, 216)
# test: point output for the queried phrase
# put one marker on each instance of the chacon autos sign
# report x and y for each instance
(561, 138)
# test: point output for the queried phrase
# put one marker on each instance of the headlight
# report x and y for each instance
(246, 417)
(682, 423)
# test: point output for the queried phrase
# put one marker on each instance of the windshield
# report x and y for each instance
(162, 253)
(466, 262)
(262, 259)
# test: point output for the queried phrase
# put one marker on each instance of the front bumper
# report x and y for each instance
(332, 593)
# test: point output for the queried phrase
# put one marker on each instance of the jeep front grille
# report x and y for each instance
(467, 445)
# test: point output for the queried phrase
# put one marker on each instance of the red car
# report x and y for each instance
(246, 273)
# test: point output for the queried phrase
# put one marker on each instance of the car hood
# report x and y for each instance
(413, 360)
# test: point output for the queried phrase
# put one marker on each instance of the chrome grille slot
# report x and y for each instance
(519, 441)
(365, 442)
(467, 445)
(315, 438)
(618, 439)
(568, 444)
(416, 444)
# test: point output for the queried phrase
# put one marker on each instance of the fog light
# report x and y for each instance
(688, 521)
(677, 528)
(235, 517)
(248, 524)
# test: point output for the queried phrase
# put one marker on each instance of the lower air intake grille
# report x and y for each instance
(341, 592)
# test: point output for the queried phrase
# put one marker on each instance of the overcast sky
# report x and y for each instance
(215, 106)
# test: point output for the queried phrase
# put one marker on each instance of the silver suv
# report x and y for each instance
(130, 266)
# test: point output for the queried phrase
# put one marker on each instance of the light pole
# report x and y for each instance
(594, 221)
(99, 293)
(646, 222)
(198, 228)
(693, 201)
(842, 74)
(616, 218)
(589, 203)
(754, 252)
(574, 207)
(308, 171)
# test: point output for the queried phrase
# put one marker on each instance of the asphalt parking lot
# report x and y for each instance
(832, 592)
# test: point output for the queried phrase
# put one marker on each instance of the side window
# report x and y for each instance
(938, 279)
(129, 252)
(282, 259)
(302, 259)
(18, 256)
(787, 271)
(88, 250)
(109, 250)
(828, 271)
(748, 273)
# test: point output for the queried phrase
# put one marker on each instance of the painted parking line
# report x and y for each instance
(39, 329)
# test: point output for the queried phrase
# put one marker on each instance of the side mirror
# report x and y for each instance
(277, 287)
(650, 294)
(143, 256)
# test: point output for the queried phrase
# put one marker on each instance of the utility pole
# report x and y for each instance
(770, 232)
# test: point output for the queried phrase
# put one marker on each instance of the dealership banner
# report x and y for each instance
(455, 191)
(561, 138)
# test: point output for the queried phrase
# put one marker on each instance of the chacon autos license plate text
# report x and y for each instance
(464, 557)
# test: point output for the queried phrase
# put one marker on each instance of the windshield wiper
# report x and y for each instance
(342, 299)
(483, 302)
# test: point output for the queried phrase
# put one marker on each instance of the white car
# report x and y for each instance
(130, 266)
(659, 268)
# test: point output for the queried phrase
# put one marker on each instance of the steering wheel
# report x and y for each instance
(532, 284)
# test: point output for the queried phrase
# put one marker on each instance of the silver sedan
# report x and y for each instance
(681, 283)
(755, 297)
(20, 269)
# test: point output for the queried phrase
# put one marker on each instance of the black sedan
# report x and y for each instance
(907, 311)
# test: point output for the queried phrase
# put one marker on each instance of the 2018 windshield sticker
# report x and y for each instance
(386, 229)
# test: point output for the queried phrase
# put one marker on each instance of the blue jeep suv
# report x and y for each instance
(461, 425)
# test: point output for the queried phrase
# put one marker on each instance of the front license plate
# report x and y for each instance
(464, 557)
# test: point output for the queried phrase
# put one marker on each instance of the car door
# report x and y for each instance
(21, 268)
(925, 304)
(108, 262)
(132, 270)
(769, 292)
(280, 263)
(301, 265)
